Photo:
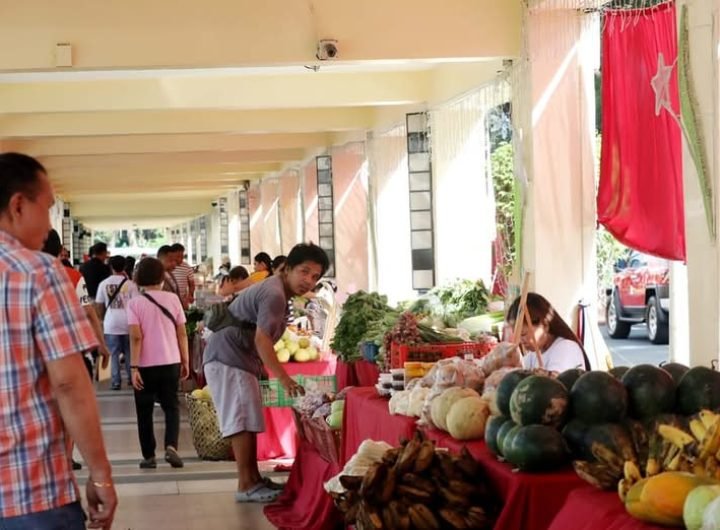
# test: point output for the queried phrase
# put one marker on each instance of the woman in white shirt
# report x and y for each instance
(559, 346)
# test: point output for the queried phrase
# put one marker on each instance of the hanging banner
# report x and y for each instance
(640, 197)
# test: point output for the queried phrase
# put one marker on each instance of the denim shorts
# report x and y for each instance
(68, 517)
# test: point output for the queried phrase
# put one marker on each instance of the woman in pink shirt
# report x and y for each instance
(159, 351)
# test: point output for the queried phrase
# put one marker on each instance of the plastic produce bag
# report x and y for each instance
(367, 454)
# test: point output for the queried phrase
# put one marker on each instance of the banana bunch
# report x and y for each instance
(672, 448)
(416, 486)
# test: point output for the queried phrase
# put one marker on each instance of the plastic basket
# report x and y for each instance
(206, 435)
(274, 395)
(369, 351)
(430, 353)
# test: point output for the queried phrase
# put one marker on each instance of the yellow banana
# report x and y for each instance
(711, 442)
(708, 417)
(698, 430)
(674, 464)
(652, 468)
(624, 486)
(631, 472)
(678, 438)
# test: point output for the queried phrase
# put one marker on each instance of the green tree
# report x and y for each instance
(501, 162)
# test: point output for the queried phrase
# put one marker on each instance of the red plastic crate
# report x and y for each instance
(428, 353)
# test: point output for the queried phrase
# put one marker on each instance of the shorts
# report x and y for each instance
(237, 398)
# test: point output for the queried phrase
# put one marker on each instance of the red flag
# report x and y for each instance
(640, 197)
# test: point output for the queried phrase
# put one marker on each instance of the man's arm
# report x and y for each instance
(264, 345)
(183, 345)
(99, 335)
(78, 407)
(100, 310)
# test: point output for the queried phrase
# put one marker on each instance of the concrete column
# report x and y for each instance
(703, 263)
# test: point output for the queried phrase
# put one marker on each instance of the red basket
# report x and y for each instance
(318, 433)
(430, 353)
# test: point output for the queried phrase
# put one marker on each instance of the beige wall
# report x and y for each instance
(256, 218)
(270, 217)
(290, 230)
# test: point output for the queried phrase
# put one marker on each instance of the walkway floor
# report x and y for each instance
(196, 497)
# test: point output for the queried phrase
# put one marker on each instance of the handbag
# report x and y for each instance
(218, 316)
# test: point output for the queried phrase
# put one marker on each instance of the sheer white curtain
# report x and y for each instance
(389, 194)
(463, 196)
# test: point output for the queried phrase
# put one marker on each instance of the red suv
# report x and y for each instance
(640, 293)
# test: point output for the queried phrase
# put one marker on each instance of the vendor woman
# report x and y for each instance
(560, 348)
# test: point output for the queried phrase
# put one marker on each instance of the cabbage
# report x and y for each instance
(441, 405)
(467, 417)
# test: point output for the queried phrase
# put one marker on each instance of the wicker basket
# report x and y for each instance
(206, 435)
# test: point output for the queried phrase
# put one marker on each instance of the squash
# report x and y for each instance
(660, 499)
(467, 417)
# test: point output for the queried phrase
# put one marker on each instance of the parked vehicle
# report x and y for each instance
(640, 293)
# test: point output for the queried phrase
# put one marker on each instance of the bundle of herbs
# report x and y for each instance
(452, 303)
(359, 313)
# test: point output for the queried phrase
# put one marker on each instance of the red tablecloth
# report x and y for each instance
(366, 373)
(367, 417)
(279, 438)
(345, 374)
(531, 500)
(587, 508)
(304, 504)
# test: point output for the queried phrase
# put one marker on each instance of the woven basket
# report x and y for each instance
(206, 435)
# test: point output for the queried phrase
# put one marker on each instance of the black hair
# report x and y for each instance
(164, 251)
(18, 174)
(129, 266)
(117, 263)
(98, 248)
(278, 262)
(237, 273)
(52, 245)
(150, 271)
(303, 252)
(177, 247)
(264, 257)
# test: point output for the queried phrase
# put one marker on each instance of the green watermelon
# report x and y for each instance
(651, 391)
(618, 371)
(676, 370)
(491, 430)
(506, 387)
(538, 448)
(598, 397)
(502, 433)
(698, 389)
(508, 441)
(574, 434)
(539, 400)
(568, 377)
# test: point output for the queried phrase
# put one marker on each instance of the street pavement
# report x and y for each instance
(636, 349)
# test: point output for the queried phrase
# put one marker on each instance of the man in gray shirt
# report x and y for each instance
(235, 358)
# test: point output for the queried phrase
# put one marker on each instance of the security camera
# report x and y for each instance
(326, 49)
(214, 204)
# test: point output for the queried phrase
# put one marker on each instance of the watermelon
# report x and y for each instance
(676, 370)
(507, 446)
(502, 433)
(491, 429)
(598, 397)
(574, 434)
(698, 389)
(538, 448)
(651, 391)
(618, 371)
(506, 387)
(539, 400)
(568, 377)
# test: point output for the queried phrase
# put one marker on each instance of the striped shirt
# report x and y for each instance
(183, 275)
(40, 321)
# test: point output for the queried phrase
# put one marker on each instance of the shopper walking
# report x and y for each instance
(159, 353)
(45, 393)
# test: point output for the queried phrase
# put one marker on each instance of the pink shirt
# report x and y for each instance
(160, 344)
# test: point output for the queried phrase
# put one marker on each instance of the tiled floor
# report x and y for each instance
(198, 496)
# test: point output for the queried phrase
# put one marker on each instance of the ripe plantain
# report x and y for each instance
(414, 494)
(711, 443)
(631, 471)
(406, 460)
(607, 456)
(477, 518)
(351, 482)
(708, 417)
(452, 518)
(425, 456)
(452, 498)
(388, 486)
(374, 477)
(463, 488)
(698, 430)
(623, 488)
(467, 464)
(596, 473)
(391, 455)
(422, 517)
(679, 438)
(418, 482)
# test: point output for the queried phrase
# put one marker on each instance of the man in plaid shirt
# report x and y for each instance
(45, 392)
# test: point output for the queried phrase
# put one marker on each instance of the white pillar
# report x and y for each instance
(703, 262)
(679, 320)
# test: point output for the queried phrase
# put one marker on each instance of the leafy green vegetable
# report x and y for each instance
(453, 302)
(359, 312)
